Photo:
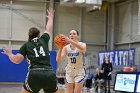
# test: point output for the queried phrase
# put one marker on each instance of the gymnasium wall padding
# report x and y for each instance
(10, 72)
(53, 60)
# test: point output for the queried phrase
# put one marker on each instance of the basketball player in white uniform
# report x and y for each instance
(75, 72)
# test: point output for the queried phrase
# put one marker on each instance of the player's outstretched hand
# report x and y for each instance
(50, 13)
(7, 51)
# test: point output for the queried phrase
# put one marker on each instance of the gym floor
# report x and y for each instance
(16, 88)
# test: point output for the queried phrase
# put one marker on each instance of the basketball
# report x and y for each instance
(59, 42)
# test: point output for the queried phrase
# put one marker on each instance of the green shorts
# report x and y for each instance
(41, 79)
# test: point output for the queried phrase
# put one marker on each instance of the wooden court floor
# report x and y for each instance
(64, 91)
(16, 88)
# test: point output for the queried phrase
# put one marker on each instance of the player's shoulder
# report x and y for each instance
(28, 44)
(48, 34)
(66, 46)
(25, 43)
(44, 35)
(82, 43)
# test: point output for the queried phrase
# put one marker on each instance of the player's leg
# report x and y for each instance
(70, 88)
(78, 87)
(70, 84)
(79, 80)
(70, 80)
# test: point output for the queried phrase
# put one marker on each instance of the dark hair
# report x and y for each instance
(76, 31)
(33, 33)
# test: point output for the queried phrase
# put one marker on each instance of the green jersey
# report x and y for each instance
(36, 52)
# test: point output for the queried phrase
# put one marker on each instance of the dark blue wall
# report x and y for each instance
(53, 60)
(10, 72)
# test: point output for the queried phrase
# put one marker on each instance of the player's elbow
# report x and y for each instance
(83, 50)
(17, 59)
(17, 62)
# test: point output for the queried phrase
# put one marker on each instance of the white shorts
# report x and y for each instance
(75, 75)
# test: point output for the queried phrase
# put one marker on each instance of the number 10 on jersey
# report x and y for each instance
(73, 60)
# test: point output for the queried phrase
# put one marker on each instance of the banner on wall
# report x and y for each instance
(118, 57)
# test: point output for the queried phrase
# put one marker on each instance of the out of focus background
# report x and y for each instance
(108, 27)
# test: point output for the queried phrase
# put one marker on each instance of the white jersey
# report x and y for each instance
(75, 58)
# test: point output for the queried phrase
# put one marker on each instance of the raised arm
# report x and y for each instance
(14, 58)
(61, 53)
(49, 26)
(81, 46)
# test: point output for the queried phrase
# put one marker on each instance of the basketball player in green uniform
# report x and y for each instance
(36, 51)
